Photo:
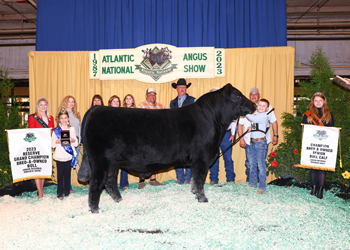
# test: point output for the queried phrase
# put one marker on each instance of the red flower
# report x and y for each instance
(295, 151)
(292, 159)
(274, 163)
(273, 154)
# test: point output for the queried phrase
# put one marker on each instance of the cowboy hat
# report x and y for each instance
(181, 81)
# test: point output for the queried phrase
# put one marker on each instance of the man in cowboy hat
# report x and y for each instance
(182, 99)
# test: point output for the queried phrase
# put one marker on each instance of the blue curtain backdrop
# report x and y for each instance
(73, 25)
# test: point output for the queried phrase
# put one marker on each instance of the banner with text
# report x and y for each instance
(157, 63)
(30, 153)
(319, 147)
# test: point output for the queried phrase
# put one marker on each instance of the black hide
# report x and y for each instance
(143, 141)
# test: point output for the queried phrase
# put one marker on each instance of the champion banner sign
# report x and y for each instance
(30, 153)
(157, 63)
(319, 147)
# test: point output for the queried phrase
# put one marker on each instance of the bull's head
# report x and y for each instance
(245, 105)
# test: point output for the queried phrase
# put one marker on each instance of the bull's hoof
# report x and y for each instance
(202, 199)
(118, 200)
(94, 211)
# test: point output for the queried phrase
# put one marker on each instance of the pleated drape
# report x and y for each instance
(57, 74)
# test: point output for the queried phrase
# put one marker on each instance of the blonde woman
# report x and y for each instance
(41, 119)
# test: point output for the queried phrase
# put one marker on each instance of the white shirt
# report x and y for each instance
(60, 153)
(247, 124)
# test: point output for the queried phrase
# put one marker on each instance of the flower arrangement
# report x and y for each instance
(284, 160)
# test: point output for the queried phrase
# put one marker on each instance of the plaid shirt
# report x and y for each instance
(148, 105)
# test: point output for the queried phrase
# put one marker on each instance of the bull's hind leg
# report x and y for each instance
(112, 185)
(199, 173)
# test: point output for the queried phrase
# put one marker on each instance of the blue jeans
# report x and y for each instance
(183, 174)
(124, 182)
(247, 164)
(214, 170)
(257, 156)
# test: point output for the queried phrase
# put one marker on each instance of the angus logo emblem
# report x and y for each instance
(321, 134)
(156, 62)
(29, 137)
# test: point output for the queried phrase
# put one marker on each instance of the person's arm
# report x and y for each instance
(275, 133)
(31, 122)
(55, 141)
(232, 127)
(51, 123)
(305, 119)
(240, 133)
(73, 137)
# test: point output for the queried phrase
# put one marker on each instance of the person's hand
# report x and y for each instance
(58, 141)
(249, 129)
(72, 140)
(242, 143)
(275, 140)
(232, 138)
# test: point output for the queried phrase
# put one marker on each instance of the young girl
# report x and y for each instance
(64, 155)
(319, 115)
(68, 103)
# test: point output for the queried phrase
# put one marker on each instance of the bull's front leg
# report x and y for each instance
(96, 183)
(199, 174)
(112, 185)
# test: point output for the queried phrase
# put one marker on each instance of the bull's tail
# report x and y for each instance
(84, 173)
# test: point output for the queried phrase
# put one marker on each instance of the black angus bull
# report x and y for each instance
(144, 141)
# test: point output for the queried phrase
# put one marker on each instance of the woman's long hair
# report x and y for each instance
(64, 105)
(326, 113)
(112, 98)
(133, 101)
(37, 107)
(96, 97)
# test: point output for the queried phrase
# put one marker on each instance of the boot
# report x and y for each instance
(313, 190)
(320, 193)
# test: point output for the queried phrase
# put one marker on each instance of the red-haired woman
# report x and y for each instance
(320, 115)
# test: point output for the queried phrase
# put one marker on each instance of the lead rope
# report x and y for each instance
(232, 144)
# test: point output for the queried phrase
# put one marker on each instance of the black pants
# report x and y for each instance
(63, 175)
(321, 174)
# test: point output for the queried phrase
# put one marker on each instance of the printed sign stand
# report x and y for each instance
(30, 153)
(319, 147)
